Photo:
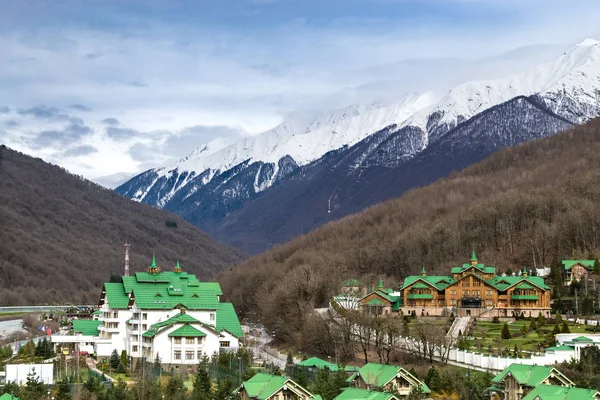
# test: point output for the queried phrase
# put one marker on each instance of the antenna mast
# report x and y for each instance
(126, 259)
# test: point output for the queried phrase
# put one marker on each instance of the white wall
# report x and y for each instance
(18, 373)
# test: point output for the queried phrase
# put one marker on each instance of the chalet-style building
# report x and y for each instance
(389, 378)
(314, 363)
(381, 301)
(362, 394)
(475, 289)
(577, 269)
(517, 380)
(273, 387)
(552, 392)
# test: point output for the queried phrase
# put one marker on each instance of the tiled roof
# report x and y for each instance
(86, 327)
(528, 375)
(437, 282)
(553, 392)
(316, 362)
(568, 264)
(561, 348)
(187, 331)
(361, 394)
(178, 318)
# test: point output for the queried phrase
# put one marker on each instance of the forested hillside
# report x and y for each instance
(61, 236)
(521, 207)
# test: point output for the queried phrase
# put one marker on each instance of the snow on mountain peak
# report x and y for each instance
(588, 42)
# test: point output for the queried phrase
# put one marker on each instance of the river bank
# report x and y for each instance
(11, 316)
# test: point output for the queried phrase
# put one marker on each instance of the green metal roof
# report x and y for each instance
(375, 302)
(481, 267)
(180, 318)
(420, 296)
(437, 282)
(582, 339)
(187, 331)
(86, 327)
(523, 297)
(524, 285)
(228, 320)
(7, 396)
(318, 363)
(352, 283)
(553, 392)
(361, 394)
(528, 375)
(420, 285)
(97, 312)
(262, 386)
(380, 374)
(116, 296)
(568, 264)
(561, 348)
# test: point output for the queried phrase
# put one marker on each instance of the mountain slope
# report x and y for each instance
(520, 207)
(62, 236)
(375, 170)
(219, 179)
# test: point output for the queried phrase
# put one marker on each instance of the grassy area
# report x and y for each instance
(486, 337)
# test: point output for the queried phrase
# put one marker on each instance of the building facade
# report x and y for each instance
(475, 289)
(518, 379)
(169, 315)
(576, 270)
(390, 378)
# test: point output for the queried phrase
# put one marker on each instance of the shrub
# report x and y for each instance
(505, 334)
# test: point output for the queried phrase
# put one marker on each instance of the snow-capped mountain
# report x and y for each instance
(218, 178)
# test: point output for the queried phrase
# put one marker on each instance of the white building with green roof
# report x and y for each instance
(169, 314)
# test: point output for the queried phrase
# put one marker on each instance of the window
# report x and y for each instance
(189, 355)
(212, 316)
(488, 303)
(190, 340)
(224, 343)
(145, 316)
(145, 327)
(177, 340)
(453, 292)
(177, 354)
(465, 283)
(466, 292)
(453, 302)
(199, 354)
(488, 292)
(476, 282)
(134, 349)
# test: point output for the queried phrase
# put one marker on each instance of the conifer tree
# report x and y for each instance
(556, 329)
(565, 328)
(505, 334)
(175, 389)
(34, 389)
(202, 386)
(290, 359)
(114, 360)
(433, 380)
(300, 377)
(225, 388)
(63, 391)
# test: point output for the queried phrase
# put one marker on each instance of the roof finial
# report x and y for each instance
(153, 269)
(177, 267)
(380, 286)
(423, 272)
(473, 258)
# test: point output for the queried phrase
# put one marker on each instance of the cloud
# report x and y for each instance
(80, 107)
(120, 134)
(43, 112)
(70, 134)
(110, 121)
(93, 56)
(137, 84)
(11, 123)
(143, 152)
(81, 150)
(4, 109)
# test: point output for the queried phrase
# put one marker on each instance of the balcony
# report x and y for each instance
(523, 297)
(420, 296)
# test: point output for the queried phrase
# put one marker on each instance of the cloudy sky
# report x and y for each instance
(116, 86)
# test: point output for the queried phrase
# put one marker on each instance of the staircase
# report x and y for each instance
(459, 325)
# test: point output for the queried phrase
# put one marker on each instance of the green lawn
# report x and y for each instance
(487, 335)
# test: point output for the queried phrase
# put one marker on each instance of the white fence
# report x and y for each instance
(18, 373)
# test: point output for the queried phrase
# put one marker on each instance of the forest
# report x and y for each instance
(525, 206)
(61, 236)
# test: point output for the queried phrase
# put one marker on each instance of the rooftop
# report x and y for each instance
(552, 392)
(361, 394)
(529, 375)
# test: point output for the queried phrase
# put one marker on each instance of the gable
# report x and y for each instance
(375, 299)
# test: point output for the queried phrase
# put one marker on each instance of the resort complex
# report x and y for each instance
(169, 315)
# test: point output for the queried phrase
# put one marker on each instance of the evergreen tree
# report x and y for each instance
(34, 389)
(63, 390)
(202, 389)
(225, 388)
(556, 278)
(541, 319)
(416, 393)
(322, 385)
(433, 380)
(175, 389)
(505, 334)
(115, 360)
(556, 329)
(39, 349)
(124, 358)
(558, 317)
(565, 328)
(300, 377)
(290, 359)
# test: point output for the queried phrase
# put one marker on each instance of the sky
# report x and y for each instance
(114, 87)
